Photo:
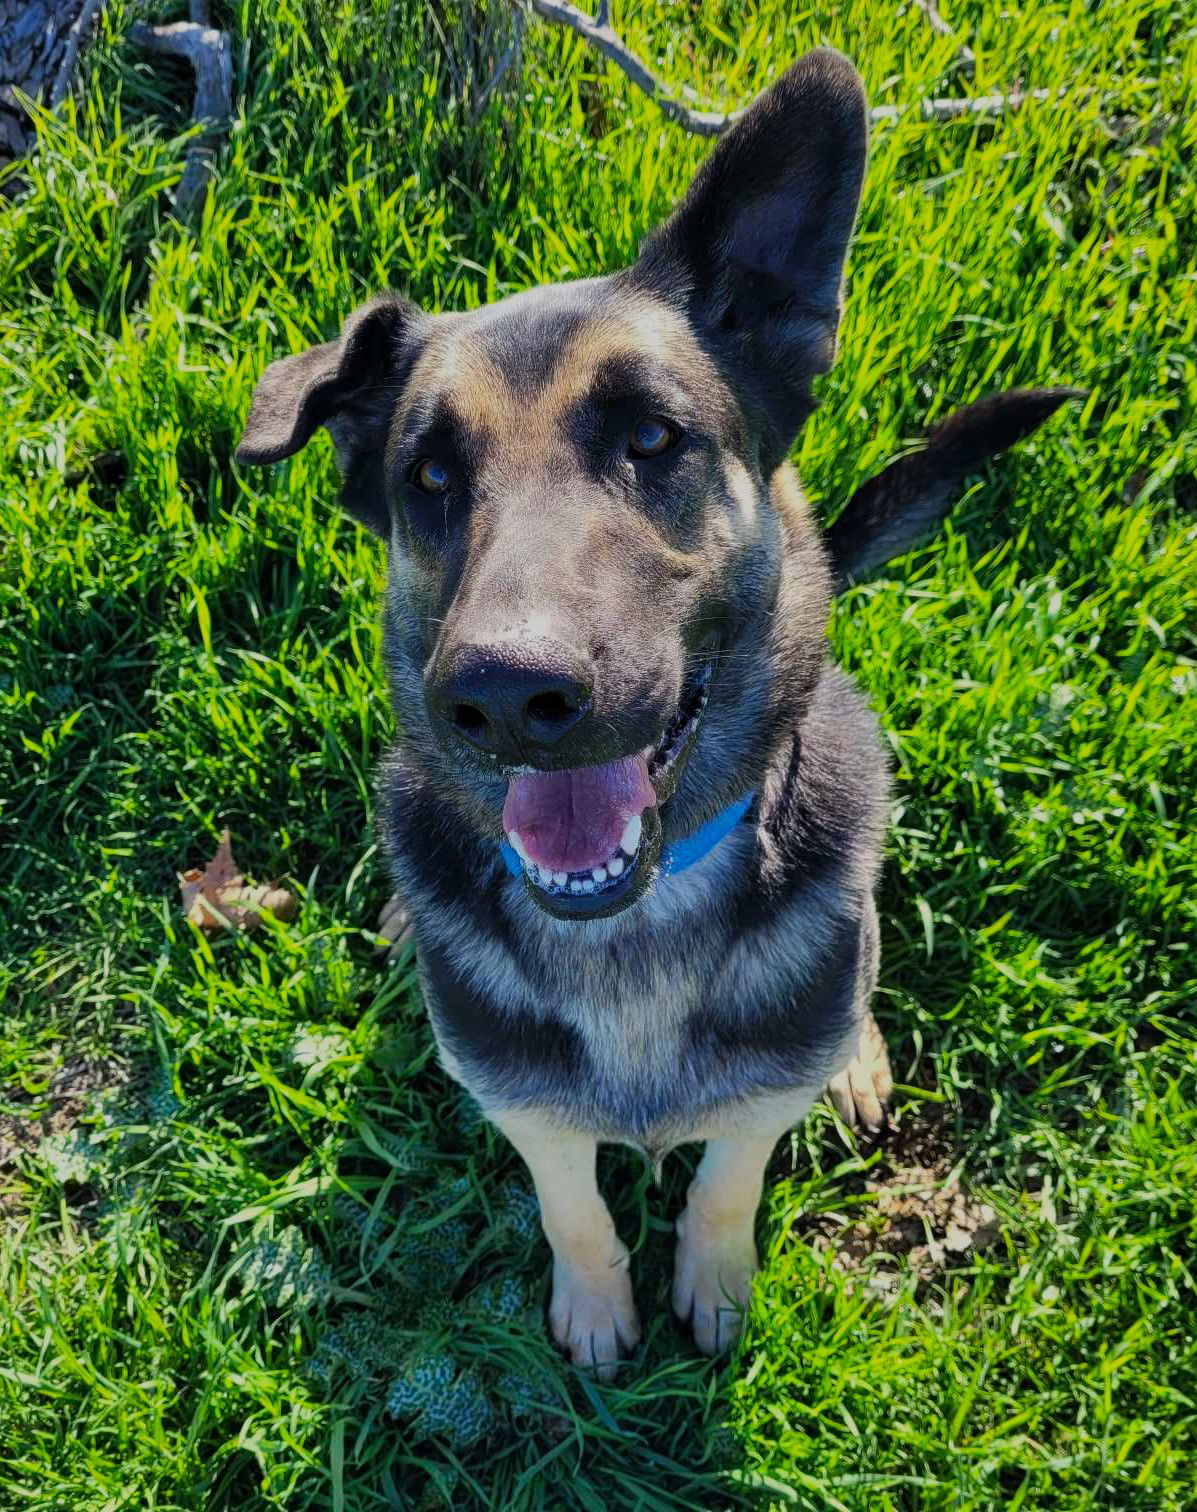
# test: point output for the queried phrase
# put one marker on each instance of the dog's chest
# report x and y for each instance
(631, 1004)
(630, 1031)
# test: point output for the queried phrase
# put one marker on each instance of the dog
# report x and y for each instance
(635, 813)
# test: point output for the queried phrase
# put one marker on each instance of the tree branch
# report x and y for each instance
(601, 35)
(207, 50)
(75, 38)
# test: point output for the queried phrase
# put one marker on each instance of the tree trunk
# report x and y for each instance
(40, 42)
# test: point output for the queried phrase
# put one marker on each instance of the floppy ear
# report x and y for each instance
(756, 249)
(349, 386)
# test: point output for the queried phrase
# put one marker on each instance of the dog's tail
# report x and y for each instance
(906, 500)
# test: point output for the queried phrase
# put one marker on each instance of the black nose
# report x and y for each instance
(515, 698)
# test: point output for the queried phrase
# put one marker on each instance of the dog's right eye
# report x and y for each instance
(651, 436)
(430, 477)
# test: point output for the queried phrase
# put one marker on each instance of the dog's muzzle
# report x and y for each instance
(589, 839)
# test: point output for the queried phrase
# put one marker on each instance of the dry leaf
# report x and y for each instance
(219, 897)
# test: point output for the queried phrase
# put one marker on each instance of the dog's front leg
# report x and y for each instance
(592, 1313)
(716, 1247)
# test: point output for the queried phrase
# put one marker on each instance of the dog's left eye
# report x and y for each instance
(650, 437)
(430, 477)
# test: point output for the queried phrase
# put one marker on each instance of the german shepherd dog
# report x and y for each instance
(635, 813)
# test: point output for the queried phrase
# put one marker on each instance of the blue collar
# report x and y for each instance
(682, 855)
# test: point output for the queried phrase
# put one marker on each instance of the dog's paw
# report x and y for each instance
(712, 1280)
(860, 1092)
(593, 1316)
(395, 928)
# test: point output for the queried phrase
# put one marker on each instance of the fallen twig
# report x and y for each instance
(207, 50)
(977, 105)
(501, 67)
(599, 33)
(964, 54)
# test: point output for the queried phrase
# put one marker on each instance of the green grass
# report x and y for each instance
(276, 1260)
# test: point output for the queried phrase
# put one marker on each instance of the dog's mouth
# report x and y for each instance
(589, 838)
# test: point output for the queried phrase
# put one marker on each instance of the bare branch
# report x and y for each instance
(84, 22)
(501, 66)
(964, 54)
(936, 22)
(600, 34)
(978, 105)
(208, 53)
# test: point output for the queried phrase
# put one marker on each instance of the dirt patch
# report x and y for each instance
(911, 1212)
(68, 1098)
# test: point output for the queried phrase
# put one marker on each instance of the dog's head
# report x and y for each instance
(603, 608)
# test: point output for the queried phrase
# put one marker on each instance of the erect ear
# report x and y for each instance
(756, 249)
(350, 386)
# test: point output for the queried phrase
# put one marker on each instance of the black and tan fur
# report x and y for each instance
(717, 1004)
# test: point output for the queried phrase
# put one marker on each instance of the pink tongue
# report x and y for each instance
(572, 821)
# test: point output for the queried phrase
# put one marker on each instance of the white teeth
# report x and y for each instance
(575, 882)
